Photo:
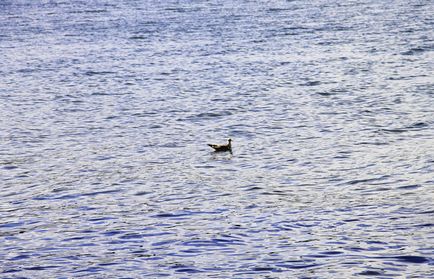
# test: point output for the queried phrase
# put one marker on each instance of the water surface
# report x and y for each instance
(106, 109)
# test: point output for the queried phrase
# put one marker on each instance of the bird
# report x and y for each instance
(222, 147)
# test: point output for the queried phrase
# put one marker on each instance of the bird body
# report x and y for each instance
(222, 147)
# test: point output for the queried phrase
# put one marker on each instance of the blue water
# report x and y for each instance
(106, 109)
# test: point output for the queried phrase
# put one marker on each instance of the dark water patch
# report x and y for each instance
(228, 241)
(371, 143)
(341, 157)
(311, 83)
(326, 94)
(104, 158)
(41, 267)
(182, 214)
(97, 73)
(99, 219)
(371, 273)
(265, 268)
(316, 256)
(27, 70)
(209, 115)
(254, 188)
(108, 264)
(419, 5)
(376, 242)
(298, 266)
(206, 166)
(278, 10)
(112, 117)
(378, 189)
(92, 269)
(156, 234)
(276, 193)
(171, 145)
(95, 11)
(78, 238)
(351, 220)
(289, 31)
(12, 225)
(395, 131)
(181, 198)
(296, 224)
(334, 27)
(78, 195)
(98, 94)
(61, 189)
(409, 187)
(204, 243)
(427, 212)
(399, 78)
(131, 236)
(165, 242)
(88, 231)
(176, 9)
(20, 257)
(412, 259)
(13, 270)
(418, 126)
(155, 126)
(284, 225)
(188, 270)
(257, 41)
(156, 275)
(145, 114)
(113, 233)
(10, 167)
(367, 180)
(192, 251)
(145, 256)
(142, 193)
(427, 225)
(332, 253)
(418, 50)
(88, 11)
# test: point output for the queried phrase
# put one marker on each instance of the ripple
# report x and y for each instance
(409, 187)
(209, 115)
(371, 273)
(298, 266)
(417, 50)
(367, 180)
(418, 126)
(95, 73)
(294, 225)
(412, 259)
(10, 167)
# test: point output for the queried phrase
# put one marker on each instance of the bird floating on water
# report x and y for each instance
(222, 147)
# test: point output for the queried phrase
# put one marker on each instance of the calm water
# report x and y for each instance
(106, 109)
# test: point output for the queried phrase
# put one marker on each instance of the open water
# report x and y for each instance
(106, 108)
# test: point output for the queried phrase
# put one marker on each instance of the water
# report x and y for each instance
(106, 109)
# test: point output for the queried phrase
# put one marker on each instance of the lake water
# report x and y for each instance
(106, 108)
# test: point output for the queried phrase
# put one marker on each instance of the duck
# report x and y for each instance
(222, 147)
